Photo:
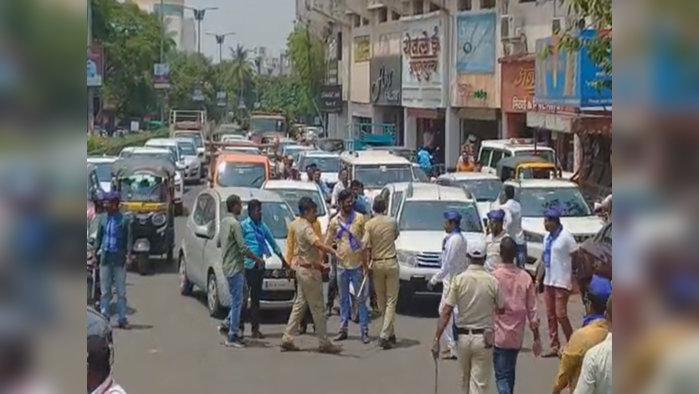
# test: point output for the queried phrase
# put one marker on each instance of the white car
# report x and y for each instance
(200, 253)
(485, 188)
(419, 209)
(376, 169)
(103, 169)
(538, 195)
(293, 191)
(160, 154)
(328, 163)
(193, 172)
(492, 151)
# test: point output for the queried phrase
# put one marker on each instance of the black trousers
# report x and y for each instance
(251, 299)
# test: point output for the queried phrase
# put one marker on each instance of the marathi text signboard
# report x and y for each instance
(423, 62)
(331, 98)
(518, 88)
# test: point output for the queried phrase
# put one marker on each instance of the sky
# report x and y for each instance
(255, 22)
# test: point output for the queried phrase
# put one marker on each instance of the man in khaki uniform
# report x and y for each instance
(474, 294)
(307, 258)
(379, 241)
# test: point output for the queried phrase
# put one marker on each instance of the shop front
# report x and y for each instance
(424, 95)
(475, 94)
(386, 83)
(361, 110)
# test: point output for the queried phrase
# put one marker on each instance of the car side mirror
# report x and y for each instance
(203, 232)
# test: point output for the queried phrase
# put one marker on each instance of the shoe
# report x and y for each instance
(303, 330)
(123, 325)
(393, 340)
(330, 349)
(257, 335)
(235, 343)
(386, 344)
(329, 311)
(223, 329)
(341, 337)
(365, 339)
(288, 347)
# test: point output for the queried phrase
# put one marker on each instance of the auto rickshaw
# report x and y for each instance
(527, 167)
(147, 190)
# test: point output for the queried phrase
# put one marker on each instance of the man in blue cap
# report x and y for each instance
(424, 160)
(497, 233)
(454, 262)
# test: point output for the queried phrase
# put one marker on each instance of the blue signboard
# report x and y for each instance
(476, 50)
(570, 79)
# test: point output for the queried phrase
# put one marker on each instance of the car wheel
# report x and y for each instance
(179, 209)
(186, 287)
(212, 301)
(143, 265)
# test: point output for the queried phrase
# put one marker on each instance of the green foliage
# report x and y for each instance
(97, 145)
(282, 94)
(307, 57)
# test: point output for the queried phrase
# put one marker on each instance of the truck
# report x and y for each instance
(263, 126)
(192, 125)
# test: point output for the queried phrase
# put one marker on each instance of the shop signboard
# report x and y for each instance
(476, 51)
(161, 76)
(385, 78)
(518, 89)
(95, 66)
(423, 61)
(362, 49)
(331, 99)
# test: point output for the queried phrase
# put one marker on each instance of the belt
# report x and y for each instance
(465, 331)
(387, 259)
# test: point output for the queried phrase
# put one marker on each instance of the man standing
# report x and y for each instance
(347, 231)
(308, 260)
(513, 224)
(258, 239)
(496, 235)
(557, 263)
(518, 294)
(596, 374)
(380, 256)
(454, 262)
(342, 184)
(474, 294)
(235, 251)
(114, 241)
(361, 203)
(318, 179)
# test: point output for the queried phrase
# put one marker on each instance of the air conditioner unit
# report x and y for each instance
(508, 27)
(558, 25)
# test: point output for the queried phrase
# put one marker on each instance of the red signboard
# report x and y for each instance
(518, 85)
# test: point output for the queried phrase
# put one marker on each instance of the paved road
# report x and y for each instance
(174, 348)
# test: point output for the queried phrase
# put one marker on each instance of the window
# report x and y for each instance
(383, 15)
(465, 5)
(365, 22)
(485, 157)
(395, 203)
(418, 7)
(488, 4)
(395, 16)
(203, 210)
(250, 175)
(357, 21)
(497, 156)
(429, 216)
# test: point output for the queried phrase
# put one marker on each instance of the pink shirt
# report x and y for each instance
(519, 295)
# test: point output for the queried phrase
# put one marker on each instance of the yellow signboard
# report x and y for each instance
(362, 49)
(143, 206)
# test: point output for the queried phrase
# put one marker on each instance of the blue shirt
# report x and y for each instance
(258, 239)
(111, 234)
(324, 189)
(424, 159)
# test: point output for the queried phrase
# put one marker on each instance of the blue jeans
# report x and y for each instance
(113, 276)
(522, 255)
(355, 277)
(505, 361)
(236, 287)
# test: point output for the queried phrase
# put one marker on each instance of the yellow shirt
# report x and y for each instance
(352, 259)
(291, 237)
(380, 234)
(574, 354)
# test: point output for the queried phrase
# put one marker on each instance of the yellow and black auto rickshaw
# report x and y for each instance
(527, 167)
(147, 190)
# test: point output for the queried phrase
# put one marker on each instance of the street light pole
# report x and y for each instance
(220, 40)
(199, 15)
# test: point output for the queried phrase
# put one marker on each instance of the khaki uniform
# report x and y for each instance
(380, 235)
(474, 294)
(310, 284)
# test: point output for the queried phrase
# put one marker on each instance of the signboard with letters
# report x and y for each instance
(518, 88)
(95, 66)
(331, 99)
(423, 62)
(362, 49)
(161, 76)
(385, 78)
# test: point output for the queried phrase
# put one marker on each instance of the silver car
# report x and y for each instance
(200, 254)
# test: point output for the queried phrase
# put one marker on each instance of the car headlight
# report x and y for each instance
(533, 238)
(141, 245)
(159, 219)
(408, 259)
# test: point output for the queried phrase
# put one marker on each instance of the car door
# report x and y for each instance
(194, 245)
(396, 200)
(212, 256)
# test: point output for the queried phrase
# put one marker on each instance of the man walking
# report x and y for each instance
(114, 241)
(474, 294)
(258, 239)
(496, 235)
(596, 374)
(380, 256)
(557, 263)
(454, 262)
(513, 224)
(235, 251)
(518, 295)
(347, 231)
(308, 260)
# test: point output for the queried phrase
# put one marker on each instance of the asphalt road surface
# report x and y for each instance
(174, 348)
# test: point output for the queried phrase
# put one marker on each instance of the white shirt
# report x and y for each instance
(109, 387)
(339, 187)
(596, 374)
(560, 273)
(493, 258)
(454, 260)
(513, 220)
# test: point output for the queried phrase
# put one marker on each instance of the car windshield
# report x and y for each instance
(142, 188)
(277, 216)
(325, 164)
(169, 157)
(547, 155)
(196, 137)
(537, 201)
(171, 148)
(103, 171)
(266, 125)
(231, 174)
(483, 190)
(187, 148)
(292, 197)
(250, 151)
(295, 151)
(376, 177)
(429, 216)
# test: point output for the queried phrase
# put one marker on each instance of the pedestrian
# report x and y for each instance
(513, 224)
(114, 242)
(557, 269)
(361, 203)
(518, 295)
(496, 234)
(310, 172)
(342, 184)
(424, 160)
(594, 332)
(475, 295)
(259, 240)
(308, 260)
(347, 231)
(596, 374)
(454, 262)
(380, 256)
(235, 251)
(318, 179)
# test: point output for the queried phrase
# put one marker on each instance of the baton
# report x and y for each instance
(364, 281)
(435, 357)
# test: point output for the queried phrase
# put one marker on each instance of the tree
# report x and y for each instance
(282, 94)
(307, 57)
(189, 71)
(239, 77)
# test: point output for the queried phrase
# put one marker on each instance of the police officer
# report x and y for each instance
(100, 356)
(474, 294)
(380, 256)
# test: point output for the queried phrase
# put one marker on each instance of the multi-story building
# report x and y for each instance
(180, 28)
(444, 70)
(267, 63)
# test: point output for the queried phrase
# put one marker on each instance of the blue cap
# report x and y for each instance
(497, 215)
(600, 287)
(553, 213)
(453, 216)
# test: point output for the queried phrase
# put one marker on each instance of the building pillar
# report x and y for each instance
(410, 130)
(452, 137)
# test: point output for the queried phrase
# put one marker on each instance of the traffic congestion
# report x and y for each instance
(273, 238)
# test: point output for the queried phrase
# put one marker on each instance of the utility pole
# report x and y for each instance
(199, 15)
(163, 31)
(220, 40)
